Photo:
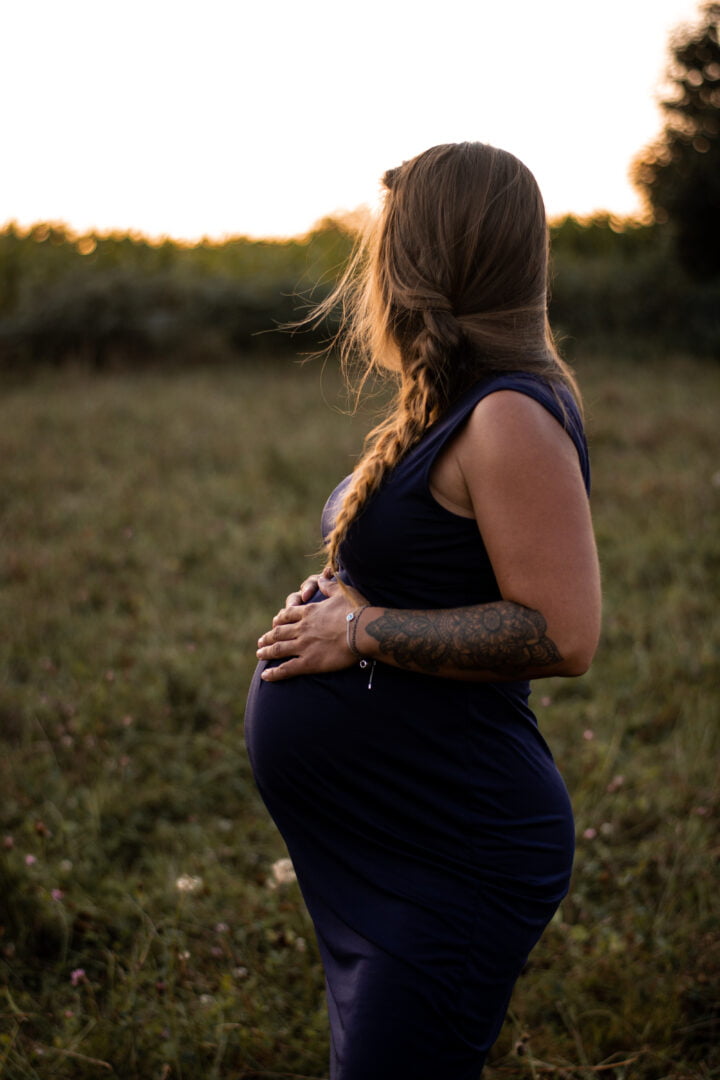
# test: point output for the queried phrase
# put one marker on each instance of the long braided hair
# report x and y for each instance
(449, 285)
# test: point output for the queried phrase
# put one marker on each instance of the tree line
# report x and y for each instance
(120, 299)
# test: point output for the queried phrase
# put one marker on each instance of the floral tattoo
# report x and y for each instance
(501, 637)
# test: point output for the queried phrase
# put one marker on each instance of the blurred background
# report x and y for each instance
(178, 181)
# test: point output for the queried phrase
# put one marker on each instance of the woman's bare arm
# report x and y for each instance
(503, 639)
(515, 470)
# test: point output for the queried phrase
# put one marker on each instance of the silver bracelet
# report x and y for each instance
(353, 618)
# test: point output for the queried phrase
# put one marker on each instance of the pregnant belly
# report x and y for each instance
(444, 765)
(299, 727)
(413, 792)
(393, 756)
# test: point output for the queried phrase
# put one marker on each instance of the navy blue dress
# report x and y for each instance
(430, 830)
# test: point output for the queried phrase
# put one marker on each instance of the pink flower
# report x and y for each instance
(30, 860)
(77, 976)
(57, 894)
(590, 834)
(588, 735)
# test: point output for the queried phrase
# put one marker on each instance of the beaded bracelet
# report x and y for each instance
(353, 618)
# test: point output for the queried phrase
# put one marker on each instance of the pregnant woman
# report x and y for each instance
(388, 722)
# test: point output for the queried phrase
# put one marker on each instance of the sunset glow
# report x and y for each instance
(231, 118)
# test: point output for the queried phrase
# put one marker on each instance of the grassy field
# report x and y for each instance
(151, 525)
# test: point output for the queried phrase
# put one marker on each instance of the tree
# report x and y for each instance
(679, 174)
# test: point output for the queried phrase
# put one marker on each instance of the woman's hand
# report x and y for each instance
(310, 638)
(308, 589)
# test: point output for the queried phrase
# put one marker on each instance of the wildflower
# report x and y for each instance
(588, 735)
(187, 883)
(240, 972)
(77, 976)
(282, 873)
(301, 944)
(30, 860)
(57, 894)
(8, 842)
(66, 866)
(221, 928)
(607, 828)
(615, 784)
(545, 701)
(590, 834)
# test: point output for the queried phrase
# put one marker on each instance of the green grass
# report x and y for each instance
(151, 525)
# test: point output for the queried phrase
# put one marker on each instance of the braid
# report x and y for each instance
(421, 399)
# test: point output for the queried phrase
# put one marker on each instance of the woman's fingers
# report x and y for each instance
(309, 587)
(331, 587)
(310, 638)
(305, 592)
(282, 671)
(290, 614)
(283, 631)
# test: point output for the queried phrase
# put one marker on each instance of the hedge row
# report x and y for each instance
(103, 299)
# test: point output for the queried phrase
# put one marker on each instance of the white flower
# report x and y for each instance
(282, 873)
(186, 883)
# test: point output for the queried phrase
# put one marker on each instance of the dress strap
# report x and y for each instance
(556, 398)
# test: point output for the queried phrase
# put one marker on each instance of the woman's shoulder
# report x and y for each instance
(522, 414)
(508, 418)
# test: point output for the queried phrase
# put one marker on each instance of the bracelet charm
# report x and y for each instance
(352, 618)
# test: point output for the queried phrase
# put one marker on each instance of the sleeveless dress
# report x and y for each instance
(430, 830)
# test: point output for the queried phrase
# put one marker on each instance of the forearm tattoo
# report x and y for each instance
(501, 637)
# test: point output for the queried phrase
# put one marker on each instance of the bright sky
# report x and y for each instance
(259, 117)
